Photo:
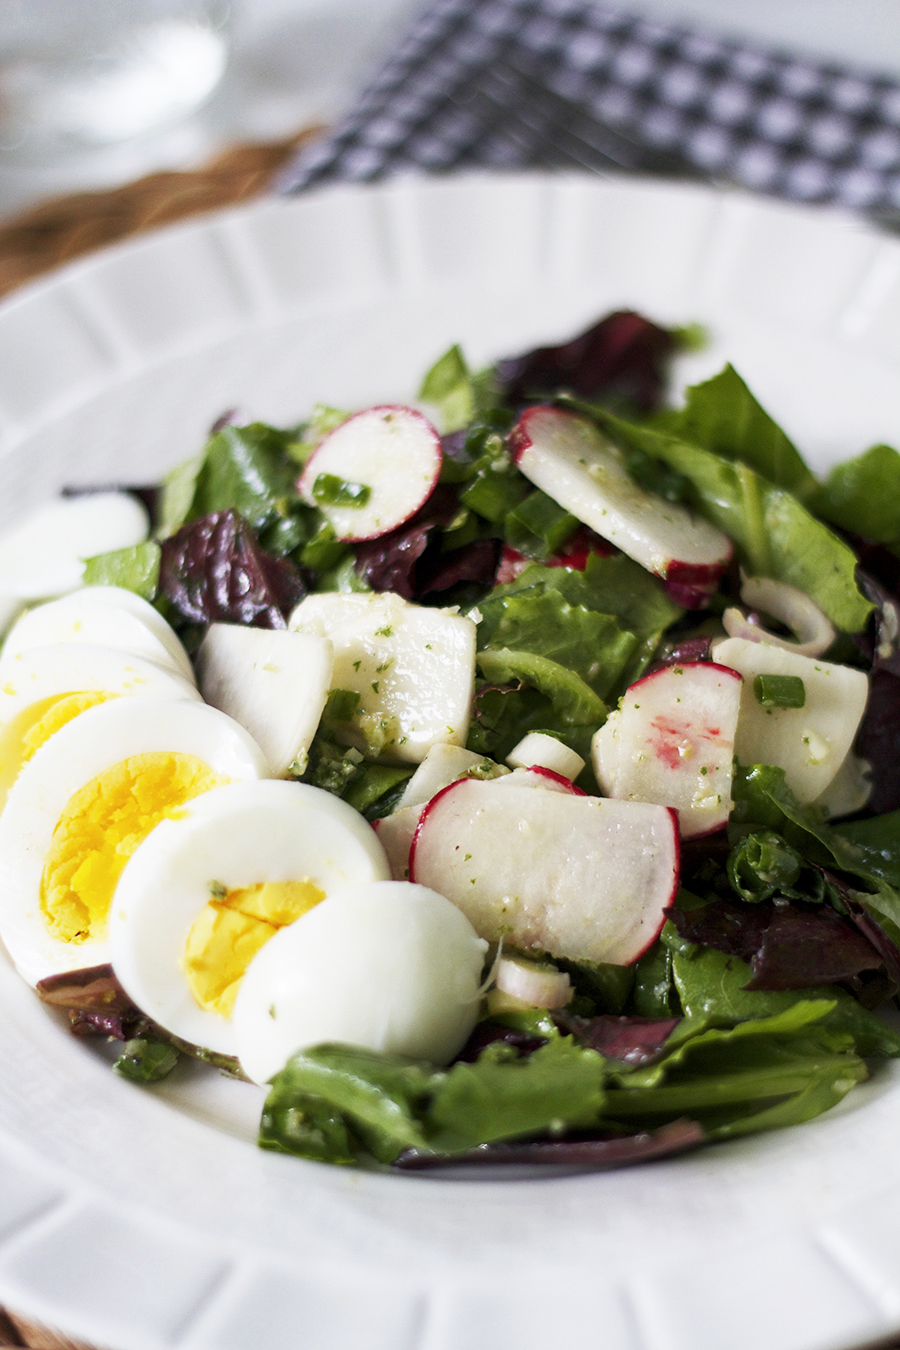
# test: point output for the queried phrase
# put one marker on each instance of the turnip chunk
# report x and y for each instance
(394, 452)
(537, 749)
(272, 682)
(395, 835)
(413, 669)
(809, 743)
(442, 766)
(849, 790)
(569, 459)
(672, 742)
(541, 985)
(814, 630)
(43, 555)
(576, 876)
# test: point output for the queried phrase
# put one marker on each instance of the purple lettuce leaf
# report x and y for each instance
(214, 571)
(476, 562)
(601, 1152)
(878, 740)
(624, 357)
(631, 1040)
(409, 560)
(788, 946)
(487, 1033)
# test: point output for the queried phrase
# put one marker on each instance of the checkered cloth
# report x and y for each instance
(570, 83)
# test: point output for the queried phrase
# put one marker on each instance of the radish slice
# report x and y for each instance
(44, 554)
(538, 750)
(794, 608)
(395, 835)
(672, 742)
(545, 779)
(543, 986)
(442, 766)
(567, 457)
(580, 877)
(393, 452)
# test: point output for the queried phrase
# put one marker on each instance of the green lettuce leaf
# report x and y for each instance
(246, 469)
(558, 1087)
(571, 698)
(134, 569)
(773, 532)
(863, 495)
(723, 416)
(331, 1101)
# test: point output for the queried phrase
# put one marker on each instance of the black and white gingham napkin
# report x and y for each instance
(575, 83)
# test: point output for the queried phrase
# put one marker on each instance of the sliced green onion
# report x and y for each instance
(340, 705)
(492, 494)
(779, 691)
(329, 490)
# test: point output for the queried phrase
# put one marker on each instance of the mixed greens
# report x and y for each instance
(755, 1007)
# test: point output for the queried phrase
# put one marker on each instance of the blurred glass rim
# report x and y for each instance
(96, 72)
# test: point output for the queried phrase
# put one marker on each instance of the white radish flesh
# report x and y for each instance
(576, 876)
(44, 554)
(672, 742)
(809, 743)
(546, 780)
(792, 607)
(538, 750)
(568, 458)
(273, 683)
(413, 669)
(395, 835)
(849, 790)
(394, 452)
(543, 986)
(442, 766)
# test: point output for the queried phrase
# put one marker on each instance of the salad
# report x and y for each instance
(508, 778)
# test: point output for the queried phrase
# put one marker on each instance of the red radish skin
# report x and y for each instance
(579, 877)
(571, 461)
(672, 742)
(391, 449)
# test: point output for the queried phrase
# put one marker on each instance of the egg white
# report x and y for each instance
(66, 668)
(389, 965)
(43, 554)
(87, 746)
(103, 616)
(236, 835)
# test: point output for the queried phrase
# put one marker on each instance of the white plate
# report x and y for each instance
(125, 1216)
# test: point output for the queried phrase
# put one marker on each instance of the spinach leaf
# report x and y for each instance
(501, 1096)
(332, 1100)
(723, 416)
(863, 495)
(245, 469)
(459, 394)
(712, 984)
(774, 533)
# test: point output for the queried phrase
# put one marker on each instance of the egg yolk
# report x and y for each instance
(28, 730)
(230, 931)
(101, 827)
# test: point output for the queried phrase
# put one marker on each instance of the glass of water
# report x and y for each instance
(81, 73)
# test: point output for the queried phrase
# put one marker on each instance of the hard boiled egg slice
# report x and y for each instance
(44, 688)
(387, 965)
(207, 889)
(104, 616)
(84, 803)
